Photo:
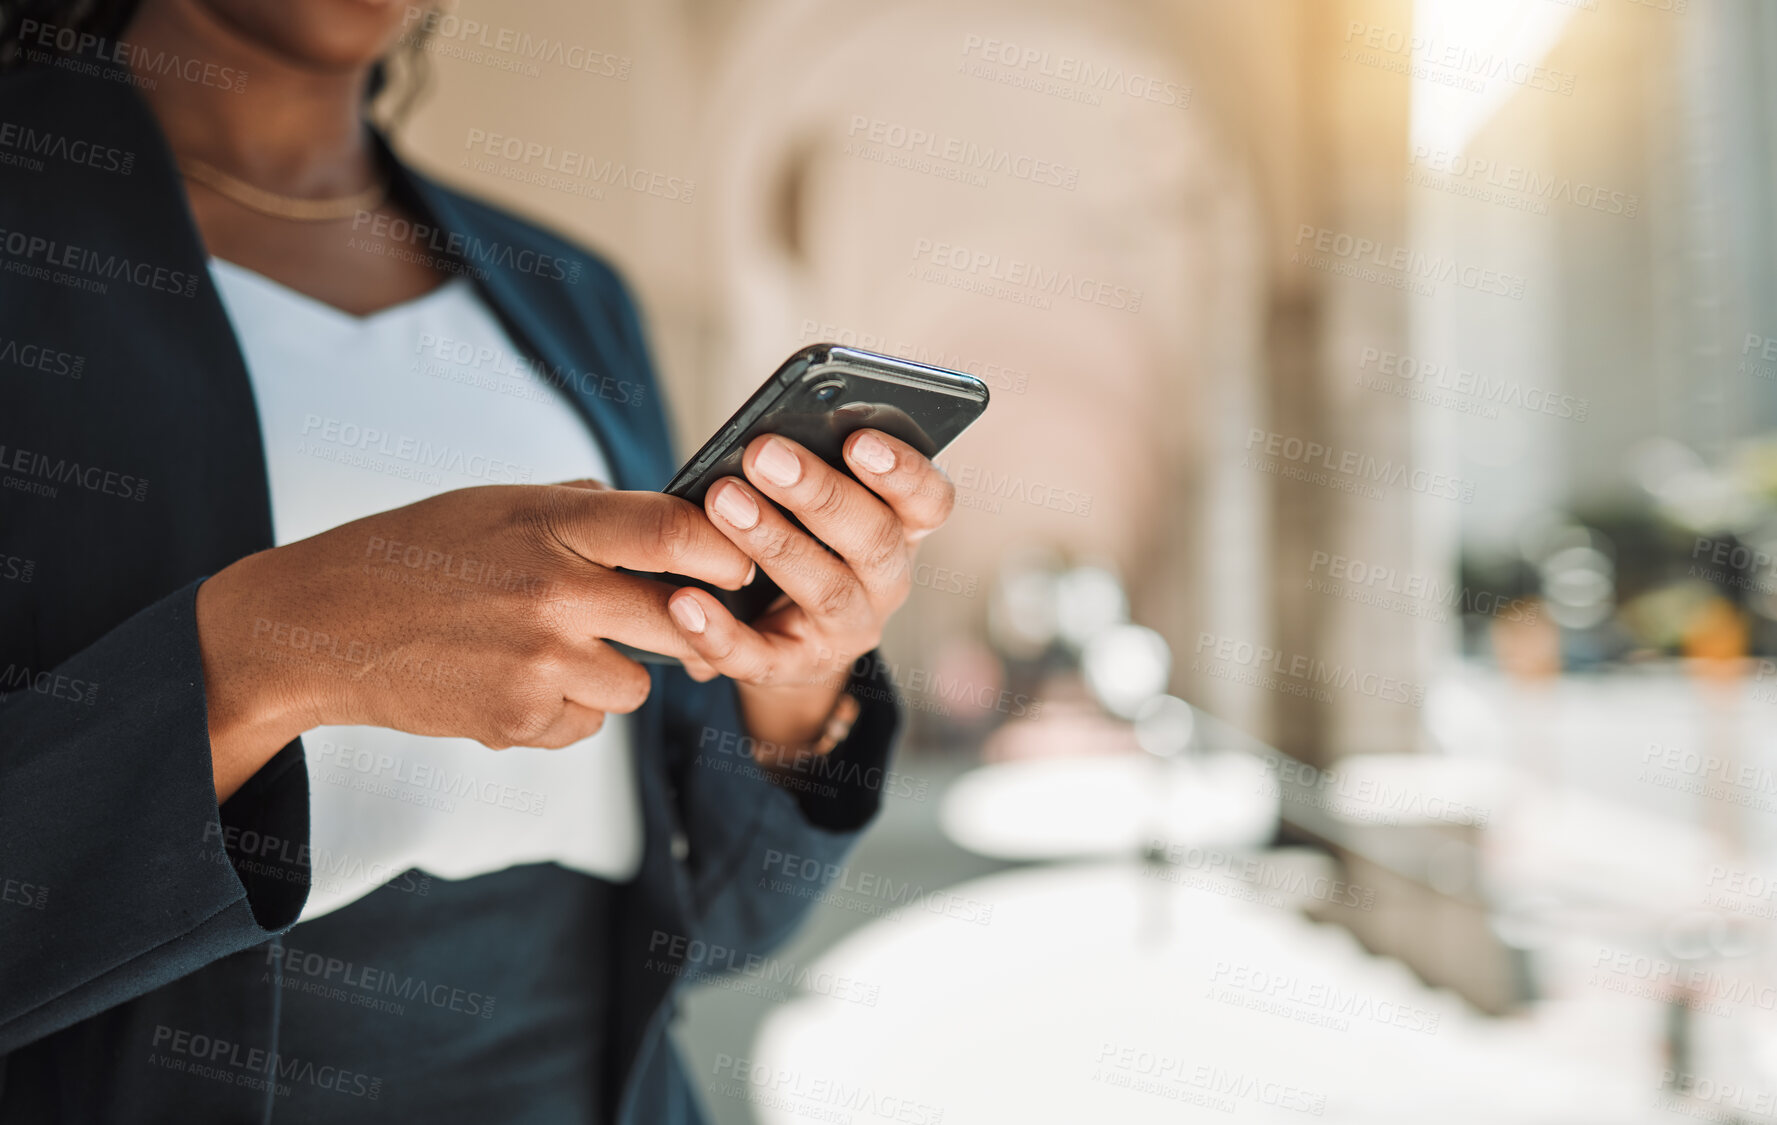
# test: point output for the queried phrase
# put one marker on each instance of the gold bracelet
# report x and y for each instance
(838, 725)
(834, 729)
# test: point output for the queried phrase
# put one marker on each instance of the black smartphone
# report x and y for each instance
(818, 398)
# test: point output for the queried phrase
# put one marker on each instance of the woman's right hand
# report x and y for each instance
(473, 614)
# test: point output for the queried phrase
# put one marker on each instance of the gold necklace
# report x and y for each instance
(281, 206)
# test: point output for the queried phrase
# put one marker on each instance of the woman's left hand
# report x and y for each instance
(792, 662)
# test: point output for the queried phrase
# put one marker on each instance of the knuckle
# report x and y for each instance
(539, 639)
(835, 596)
(885, 551)
(546, 516)
(541, 667)
(631, 689)
(828, 496)
(548, 617)
(719, 648)
(510, 728)
(521, 718)
(673, 528)
(777, 548)
(760, 668)
(538, 650)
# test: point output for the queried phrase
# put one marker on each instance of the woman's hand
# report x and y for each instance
(473, 614)
(792, 663)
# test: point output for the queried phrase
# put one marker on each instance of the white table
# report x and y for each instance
(1068, 999)
(1111, 805)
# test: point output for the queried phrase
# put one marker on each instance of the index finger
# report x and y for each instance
(646, 531)
(633, 610)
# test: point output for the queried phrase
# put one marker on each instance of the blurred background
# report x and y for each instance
(1347, 686)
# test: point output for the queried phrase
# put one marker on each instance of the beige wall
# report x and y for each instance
(1196, 205)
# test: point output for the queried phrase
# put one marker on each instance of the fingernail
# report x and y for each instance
(734, 505)
(752, 573)
(873, 453)
(777, 463)
(688, 614)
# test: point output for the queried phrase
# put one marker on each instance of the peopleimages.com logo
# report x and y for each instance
(37, 145)
(26, 355)
(428, 28)
(1400, 266)
(1016, 279)
(1269, 667)
(135, 62)
(50, 259)
(1065, 76)
(238, 1064)
(887, 139)
(549, 166)
(43, 475)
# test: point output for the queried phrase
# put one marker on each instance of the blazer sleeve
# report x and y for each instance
(118, 873)
(761, 852)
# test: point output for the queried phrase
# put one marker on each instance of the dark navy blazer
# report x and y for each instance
(130, 468)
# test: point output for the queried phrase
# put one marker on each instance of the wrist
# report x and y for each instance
(787, 724)
(254, 706)
(788, 715)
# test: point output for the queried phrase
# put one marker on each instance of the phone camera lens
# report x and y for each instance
(828, 391)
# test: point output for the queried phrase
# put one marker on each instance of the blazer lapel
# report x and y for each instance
(547, 318)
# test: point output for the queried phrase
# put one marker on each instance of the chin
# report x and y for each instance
(329, 34)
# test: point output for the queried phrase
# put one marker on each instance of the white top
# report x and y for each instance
(363, 414)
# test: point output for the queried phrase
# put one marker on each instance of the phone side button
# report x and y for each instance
(721, 448)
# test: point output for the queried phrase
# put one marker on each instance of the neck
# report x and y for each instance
(291, 128)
